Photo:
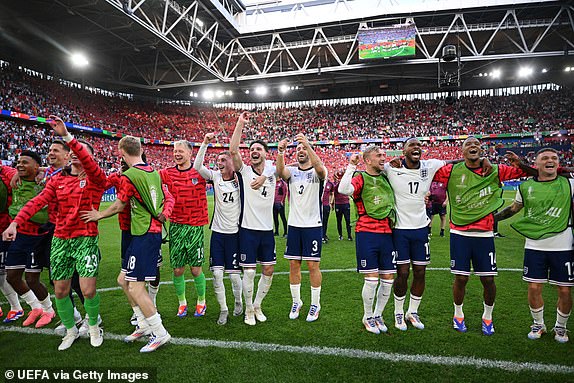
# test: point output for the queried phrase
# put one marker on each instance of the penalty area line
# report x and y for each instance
(453, 361)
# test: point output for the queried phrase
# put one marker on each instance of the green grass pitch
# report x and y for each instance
(339, 329)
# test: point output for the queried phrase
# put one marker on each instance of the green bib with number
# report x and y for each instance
(547, 208)
(148, 185)
(24, 193)
(378, 197)
(472, 196)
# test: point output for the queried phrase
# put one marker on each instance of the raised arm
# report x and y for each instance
(518, 163)
(93, 171)
(236, 140)
(282, 171)
(313, 157)
(346, 186)
(199, 158)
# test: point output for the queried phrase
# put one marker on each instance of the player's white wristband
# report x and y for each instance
(68, 137)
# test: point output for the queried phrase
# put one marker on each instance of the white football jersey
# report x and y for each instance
(257, 205)
(305, 192)
(227, 203)
(410, 187)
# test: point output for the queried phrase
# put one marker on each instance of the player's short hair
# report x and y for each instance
(62, 144)
(469, 138)
(224, 153)
(185, 143)
(260, 142)
(370, 150)
(130, 145)
(546, 150)
(409, 139)
(33, 155)
(90, 147)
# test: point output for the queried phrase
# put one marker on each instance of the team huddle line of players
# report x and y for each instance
(53, 221)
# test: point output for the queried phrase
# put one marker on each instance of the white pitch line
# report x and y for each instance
(344, 353)
(115, 288)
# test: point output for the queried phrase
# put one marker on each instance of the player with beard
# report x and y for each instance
(305, 227)
(375, 251)
(473, 198)
(27, 253)
(75, 243)
(548, 255)
(186, 225)
(224, 244)
(58, 157)
(256, 240)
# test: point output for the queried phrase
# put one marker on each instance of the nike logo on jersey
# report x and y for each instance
(400, 173)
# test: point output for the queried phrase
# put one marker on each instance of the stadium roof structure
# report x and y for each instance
(178, 46)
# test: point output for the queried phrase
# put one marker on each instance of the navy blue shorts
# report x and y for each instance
(256, 246)
(479, 250)
(375, 253)
(555, 267)
(126, 241)
(4, 245)
(412, 245)
(27, 252)
(223, 250)
(304, 243)
(142, 257)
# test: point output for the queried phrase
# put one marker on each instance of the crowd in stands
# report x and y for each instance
(543, 111)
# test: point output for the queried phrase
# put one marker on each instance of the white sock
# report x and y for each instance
(77, 315)
(368, 293)
(142, 323)
(31, 299)
(219, 289)
(487, 314)
(262, 289)
(561, 319)
(316, 296)
(47, 304)
(383, 295)
(295, 292)
(537, 315)
(157, 328)
(400, 304)
(236, 287)
(458, 311)
(414, 303)
(248, 284)
(10, 294)
(152, 291)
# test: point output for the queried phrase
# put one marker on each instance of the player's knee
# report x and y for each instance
(121, 280)
(179, 271)
(13, 278)
(487, 281)
(535, 288)
(32, 279)
(419, 273)
(268, 270)
(564, 292)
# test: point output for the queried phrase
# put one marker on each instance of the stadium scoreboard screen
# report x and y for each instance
(387, 42)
